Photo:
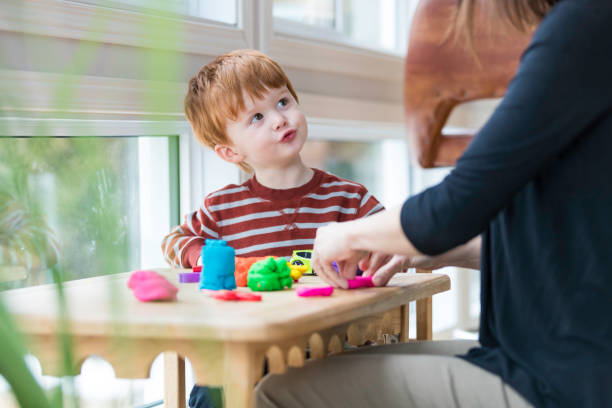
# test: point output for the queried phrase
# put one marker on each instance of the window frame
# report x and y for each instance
(72, 21)
(120, 5)
(296, 48)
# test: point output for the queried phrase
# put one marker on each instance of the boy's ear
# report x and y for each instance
(228, 154)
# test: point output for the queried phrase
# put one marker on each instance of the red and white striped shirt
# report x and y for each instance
(258, 221)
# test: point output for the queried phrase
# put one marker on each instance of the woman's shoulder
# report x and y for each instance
(567, 18)
(577, 32)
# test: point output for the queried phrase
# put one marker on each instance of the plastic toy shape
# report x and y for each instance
(218, 266)
(270, 274)
(151, 286)
(296, 271)
(302, 257)
(319, 291)
(242, 268)
(189, 277)
(197, 268)
(233, 295)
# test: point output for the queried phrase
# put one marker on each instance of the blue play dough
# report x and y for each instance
(217, 266)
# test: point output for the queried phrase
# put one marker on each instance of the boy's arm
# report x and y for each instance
(182, 246)
(368, 205)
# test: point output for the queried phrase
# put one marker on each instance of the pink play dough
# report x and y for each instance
(319, 291)
(360, 282)
(150, 285)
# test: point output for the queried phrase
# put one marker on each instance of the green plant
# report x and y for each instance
(86, 173)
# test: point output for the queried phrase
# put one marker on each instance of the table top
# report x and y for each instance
(105, 306)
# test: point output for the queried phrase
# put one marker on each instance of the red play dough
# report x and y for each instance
(242, 268)
(233, 295)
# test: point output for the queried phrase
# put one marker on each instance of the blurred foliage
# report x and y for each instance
(62, 216)
(64, 201)
(69, 205)
(13, 366)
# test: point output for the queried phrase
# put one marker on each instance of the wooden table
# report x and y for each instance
(226, 342)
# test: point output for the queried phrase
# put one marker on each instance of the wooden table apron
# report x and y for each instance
(226, 342)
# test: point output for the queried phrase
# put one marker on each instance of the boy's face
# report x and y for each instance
(269, 132)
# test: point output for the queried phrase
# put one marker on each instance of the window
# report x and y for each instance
(379, 165)
(375, 24)
(310, 12)
(91, 205)
(214, 10)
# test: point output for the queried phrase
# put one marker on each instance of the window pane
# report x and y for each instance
(221, 11)
(371, 23)
(381, 166)
(91, 206)
(362, 22)
(319, 13)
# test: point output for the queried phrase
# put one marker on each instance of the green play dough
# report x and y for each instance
(269, 274)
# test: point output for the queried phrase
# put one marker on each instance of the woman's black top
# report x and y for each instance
(536, 182)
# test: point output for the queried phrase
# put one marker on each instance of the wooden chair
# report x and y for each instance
(441, 74)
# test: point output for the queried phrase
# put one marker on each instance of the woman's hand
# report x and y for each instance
(382, 267)
(333, 244)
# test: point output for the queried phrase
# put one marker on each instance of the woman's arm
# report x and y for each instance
(382, 267)
(349, 242)
(463, 256)
(548, 109)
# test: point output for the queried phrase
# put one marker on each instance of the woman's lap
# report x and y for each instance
(400, 375)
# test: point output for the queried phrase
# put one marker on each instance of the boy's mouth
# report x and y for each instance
(288, 136)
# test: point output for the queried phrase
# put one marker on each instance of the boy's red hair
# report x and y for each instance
(215, 94)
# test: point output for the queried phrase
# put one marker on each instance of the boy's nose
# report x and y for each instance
(280, 122)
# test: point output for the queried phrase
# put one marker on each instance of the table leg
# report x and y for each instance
(242, 369)
(423, 311)
(404, 335)
(174, 380)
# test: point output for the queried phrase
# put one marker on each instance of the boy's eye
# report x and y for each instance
(257, 117)
(283, 102)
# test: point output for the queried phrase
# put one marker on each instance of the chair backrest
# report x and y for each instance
(441, 73)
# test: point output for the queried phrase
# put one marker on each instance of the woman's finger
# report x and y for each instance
(384, 274)
(348, 269)
(377, 260)
(364, 264)
(328, 274)
(334, 277)
(339, 280)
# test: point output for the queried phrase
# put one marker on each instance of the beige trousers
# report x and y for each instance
(418, 374)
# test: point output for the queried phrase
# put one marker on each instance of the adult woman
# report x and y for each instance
(533, 183)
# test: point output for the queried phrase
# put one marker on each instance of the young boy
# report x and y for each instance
(243, 106)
